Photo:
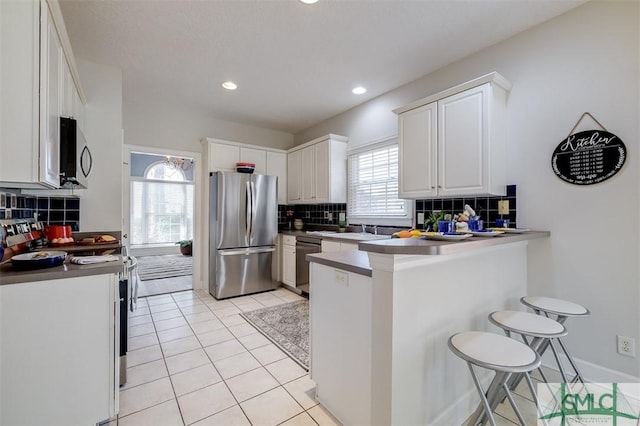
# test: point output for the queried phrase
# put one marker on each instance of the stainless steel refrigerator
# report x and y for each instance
(243, 229)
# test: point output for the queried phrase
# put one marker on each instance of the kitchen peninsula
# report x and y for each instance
(381, 317)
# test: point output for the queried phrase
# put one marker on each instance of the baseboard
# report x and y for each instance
(460, 411)
(593, 373)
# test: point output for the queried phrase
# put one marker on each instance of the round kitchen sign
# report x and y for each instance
(588, 157)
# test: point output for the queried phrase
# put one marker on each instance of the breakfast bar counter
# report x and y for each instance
(379, 350)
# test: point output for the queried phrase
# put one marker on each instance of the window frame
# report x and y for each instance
(372, 219)
(143, 180)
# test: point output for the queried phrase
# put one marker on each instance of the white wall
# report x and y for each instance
(101, 203)
(585, 60)
(167, 126)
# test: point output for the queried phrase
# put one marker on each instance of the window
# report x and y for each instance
(373, 187)
(161, 206)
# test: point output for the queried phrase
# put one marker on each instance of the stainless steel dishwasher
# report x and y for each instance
(305, 244)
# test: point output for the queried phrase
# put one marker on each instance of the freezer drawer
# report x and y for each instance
(241, 271)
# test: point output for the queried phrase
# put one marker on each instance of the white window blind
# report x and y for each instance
(373, 187)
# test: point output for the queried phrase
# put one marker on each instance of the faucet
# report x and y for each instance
(364, 228)
(375, 229)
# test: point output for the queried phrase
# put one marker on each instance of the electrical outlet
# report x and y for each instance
(420, 218)
(341, 217)
(626, 346)
(307, 215)
(326, 215)
(330, 216)
(503, 206)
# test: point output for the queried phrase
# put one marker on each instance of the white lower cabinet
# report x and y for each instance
(289, 260)
(341, 340)
(58, 345)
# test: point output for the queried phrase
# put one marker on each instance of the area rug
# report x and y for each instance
(287, 326)
(166, 266)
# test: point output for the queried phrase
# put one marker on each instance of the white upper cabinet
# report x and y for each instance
(38, 87)
(255, 156)
(418, 136)
(318, 171)
(223, 155)
(454, 143)
(277, 166)
(52, 75)
(294, 177)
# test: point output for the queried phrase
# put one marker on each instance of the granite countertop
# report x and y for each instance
(68, 270)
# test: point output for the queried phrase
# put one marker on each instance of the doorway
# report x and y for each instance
(160, 217)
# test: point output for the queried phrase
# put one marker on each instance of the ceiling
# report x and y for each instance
(294, 64)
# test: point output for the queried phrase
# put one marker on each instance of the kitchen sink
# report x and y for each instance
(360, 236)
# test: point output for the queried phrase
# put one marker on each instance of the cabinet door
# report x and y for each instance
(50, 65)
(418, 152)
(294, 176)
(289, 265)
(463, 142)
(67, 89)
(255, 156)
(321, 162)
(277, 166)
(223, 157)
(308, 174)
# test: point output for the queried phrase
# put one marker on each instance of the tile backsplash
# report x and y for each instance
(485, 207)
(49, 210)
(314, 214)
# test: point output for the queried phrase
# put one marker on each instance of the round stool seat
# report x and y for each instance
(555, 306)
(527, 323)
(494, 352)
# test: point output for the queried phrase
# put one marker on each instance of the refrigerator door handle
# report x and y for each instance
(247, 251)
(248, 203)
(253, 205)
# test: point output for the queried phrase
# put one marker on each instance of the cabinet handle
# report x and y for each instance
(440, 186)
(433, 187)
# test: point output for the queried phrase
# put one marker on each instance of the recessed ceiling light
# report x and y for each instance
(359, 90)
(309, 1)
(229, 85)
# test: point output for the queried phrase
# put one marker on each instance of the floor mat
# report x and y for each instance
(287, 326)
(166, 266)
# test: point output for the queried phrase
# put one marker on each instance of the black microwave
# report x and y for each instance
(75, 156)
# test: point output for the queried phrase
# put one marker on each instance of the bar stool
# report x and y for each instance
(561, 310)
(505, 357)
(539, 328)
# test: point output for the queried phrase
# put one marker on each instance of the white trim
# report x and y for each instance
(320, 139)
(368, 146)
(243, 145)
(493, 78)
(199, 240)
(593, 373)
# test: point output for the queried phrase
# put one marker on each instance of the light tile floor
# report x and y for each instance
(194, 360)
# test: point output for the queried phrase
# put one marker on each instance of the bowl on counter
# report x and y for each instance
(38, 260)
